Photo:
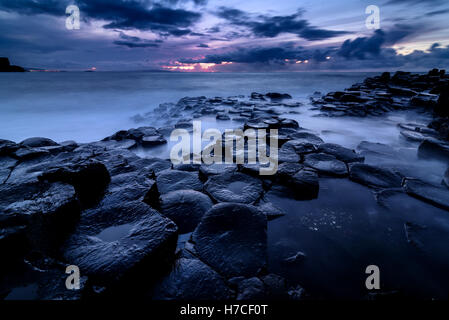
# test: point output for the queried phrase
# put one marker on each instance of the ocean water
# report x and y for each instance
(87, 107)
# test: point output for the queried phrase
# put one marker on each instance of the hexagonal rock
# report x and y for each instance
(287, 153)
(435, 195)
(307, 137)
(373, 176)
(90, 178)
(129, 242)
(185, 208)
(171, 180)
(232, 239)
(37, 142)
(234, 187)
(287, 170)
(305, 184)
(44, 215)
(326, 164)
(341, 153)
(191, 279)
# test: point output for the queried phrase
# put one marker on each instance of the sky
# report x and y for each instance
(226, 35)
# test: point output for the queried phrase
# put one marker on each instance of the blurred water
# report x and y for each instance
(86, 107)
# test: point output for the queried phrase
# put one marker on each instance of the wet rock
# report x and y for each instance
(90, 179)
(301, 146)
(222, 116)
(231, 238)
(367, 148)
(215, 169)
(287, 153)
(37, 142)
(154, 165)
(43, 214)
(7, 147)
(123, 244)
(275, 287)
(155, 140)
(257, 96)
(192, 279)
(40, 278)
(432, 148)
(305, 184)
(271, 211)
(172, 180)
(435, 195)
(147, 136)
(191, 167)
(289, 123)
(424, 100)
(446, 178)
(234, 187)
(402, 91)
(413, 136)
(185, 208)
(287, 170)
(326, 164)
(373, 176)
(251, 289)
(296, 258)
(6, 166)
(341, 153)
(411, 231)
(306, 137)
(278, 96)
(26, 153)
(296, 293)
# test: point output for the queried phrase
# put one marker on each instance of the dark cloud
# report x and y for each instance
(135, 42)
(119, 14)
(367, 47)
(259, 55)
(363, 47)
(202, 45)
(272, 26)
(436, 12)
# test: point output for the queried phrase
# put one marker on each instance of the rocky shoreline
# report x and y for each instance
(143, 227)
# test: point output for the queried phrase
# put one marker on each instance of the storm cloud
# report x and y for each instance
(273, 26)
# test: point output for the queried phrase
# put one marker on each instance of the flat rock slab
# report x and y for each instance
(326, 164)
(435, 195)
(373, 176)
(341, 153)
(46, 214)
(172, 180)
(432, 148)
(367, 148)
(113, 243)
(232, 239)
(191, 279)
(234, 187)
(185, 208)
